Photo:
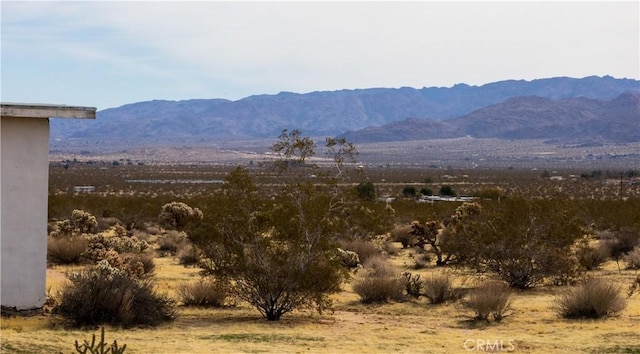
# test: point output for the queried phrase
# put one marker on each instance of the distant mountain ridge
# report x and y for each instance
(533, 117)
(324, 113)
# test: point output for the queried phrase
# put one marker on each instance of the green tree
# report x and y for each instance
(277, 254)
(366, 190)
(293, 147)
(447, 190)
(409, 192)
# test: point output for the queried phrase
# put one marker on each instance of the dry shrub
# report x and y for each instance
(152, 229)
(422, 260)
(389, 248)
(172, 242)
(189, 255)
(401, 233)
(145, 261)
(364, 249)
(595, 298)
(380, 283)
(439, 289)
(490, 300)
(632, 259)
(66, 249)
(592, 257)
(206, 292)
(105, 224)
(106, 295)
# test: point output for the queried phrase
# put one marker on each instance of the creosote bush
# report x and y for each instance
(205, 293)
(596, 298)
(490, 300)
(106, 295)
(380, 282)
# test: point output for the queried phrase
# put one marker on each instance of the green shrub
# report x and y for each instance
(439, 289)
(66, 249)
(490, 300)
(447, 190)
(366, 190)
(206, 292)
(595, 298)
(409, 192)
(106, 295)
(380, 283)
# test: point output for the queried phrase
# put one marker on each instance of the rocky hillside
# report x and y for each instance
(330, 113)
(532, 117)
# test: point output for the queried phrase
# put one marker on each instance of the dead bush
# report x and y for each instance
(595, 298)
(65, 249)
(205, 293)
(380, 282)
(106, 295)
(490, 300)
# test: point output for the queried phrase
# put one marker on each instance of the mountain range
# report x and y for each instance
(596, 108)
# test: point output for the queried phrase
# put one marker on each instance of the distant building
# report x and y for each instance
(84, 189)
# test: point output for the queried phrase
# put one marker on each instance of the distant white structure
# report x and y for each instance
(24, 150)
(437, 198)
(84, 189)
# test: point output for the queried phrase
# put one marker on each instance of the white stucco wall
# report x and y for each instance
(23, 222)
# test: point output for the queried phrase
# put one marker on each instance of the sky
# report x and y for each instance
(106, 54)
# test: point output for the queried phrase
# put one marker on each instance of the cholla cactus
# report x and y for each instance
(178, 214)
(83, 222)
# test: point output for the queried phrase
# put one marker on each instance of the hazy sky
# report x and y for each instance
(106, 54)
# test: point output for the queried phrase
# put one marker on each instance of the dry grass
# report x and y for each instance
(408, 327)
